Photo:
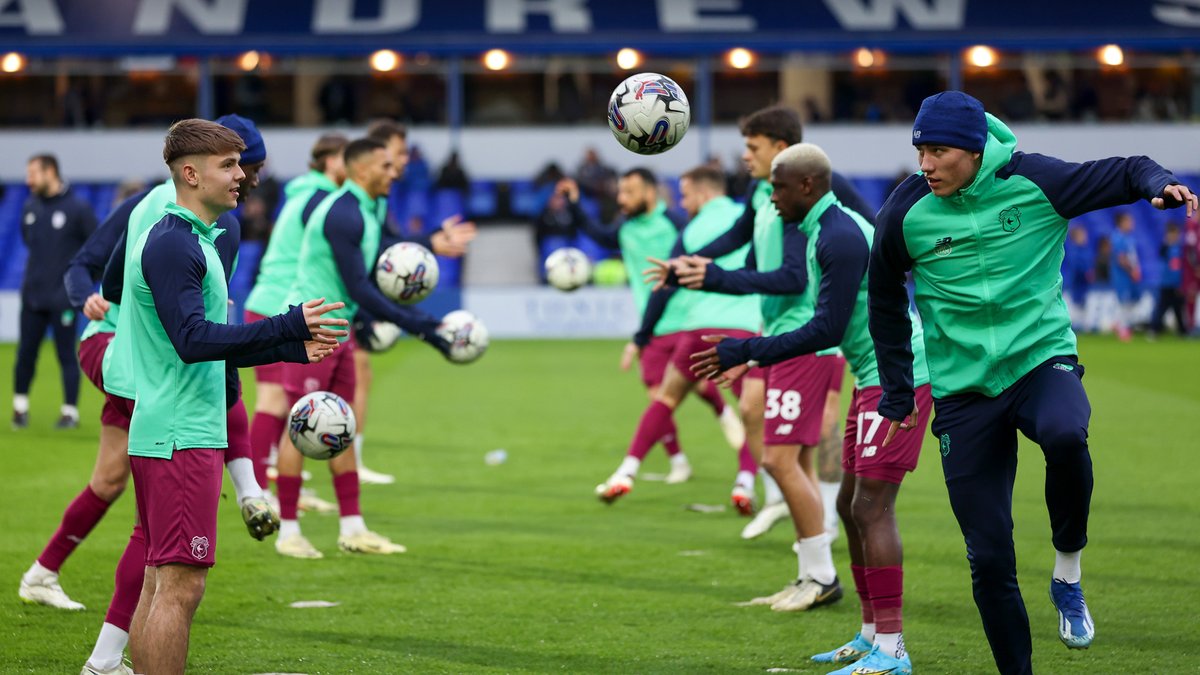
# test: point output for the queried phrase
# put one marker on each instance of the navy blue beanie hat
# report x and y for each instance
(256, 150)
(951, 118)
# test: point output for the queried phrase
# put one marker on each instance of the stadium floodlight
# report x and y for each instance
(12, 62)
(1111, 55)
(248, 61)
(981, 56)
(628, 59)
(740, 58)
(869, 58)
(385, 60)
(496, 59)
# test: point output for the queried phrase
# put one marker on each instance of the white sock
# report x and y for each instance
(110, 646)
(679, 459)
(1066, 566)
(868, 632)
(241, 470)
(629, 466)
(69, 411)
(351, 525)
(21, 403)
(818, 558)
(288, 528)
(771, 491)
(36, 570)
(358, 441)
(744, 479)
(891, 644)
(829, 493)
(799, 560)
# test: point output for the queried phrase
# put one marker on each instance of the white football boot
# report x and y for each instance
(40, 586)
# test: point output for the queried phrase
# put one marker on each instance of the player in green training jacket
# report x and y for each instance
(981, 227)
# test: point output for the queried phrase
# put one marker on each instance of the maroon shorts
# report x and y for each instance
(836, 386)
(117, 411)
(795, 403)
(271, 373)
(690, 342)
(863, 453)
(238, 429)
(655, 357)
(177, 504)
(334, 373)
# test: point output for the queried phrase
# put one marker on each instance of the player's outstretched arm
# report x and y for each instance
(174, 267)
(1075, 189)
(608, 237)
(87, 265)
(887, 311)
(790, 279)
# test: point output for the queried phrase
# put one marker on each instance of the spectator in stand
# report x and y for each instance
(1126, 273)
(453, 176)
(598, 181)
(1170, 285)
(1101, 304)
(1078, 270)
(549, 175)
(557, 223)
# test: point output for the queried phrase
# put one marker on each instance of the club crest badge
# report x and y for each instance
(1010, 219)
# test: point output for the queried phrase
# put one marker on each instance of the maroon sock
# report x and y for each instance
(288, 488)
(864, 595)
(670, 440)
(265, 432)
(656, 423)
(887, 590)
(345, 486)
(712, 396)
(81, 516)
(746, 460)
(238, 433)
(131, 571)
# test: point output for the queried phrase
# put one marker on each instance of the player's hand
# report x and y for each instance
(690, 270)
(906, 424)
(1179, 195)
(317, 350)
(707, 364)
(568, 188)
(96, 307)
(314, 318)
(631, 353)
(451, 241)
(657, 273)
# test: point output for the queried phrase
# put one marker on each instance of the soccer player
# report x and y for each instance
(176, 310)
(111, 473)
(685, 315)
(275, 274)
(341, 242)
(767, 132)
(648, 231)
(54, 224)
(839, 250)
(981, 227)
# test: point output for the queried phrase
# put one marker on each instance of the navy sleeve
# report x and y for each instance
(288, 352)
(344, 230)
(388, 239)
(842, 253)
(85, 219)
(736, 236)
(887, 300)
(174, 269)
(318, 197)
(849, 196)
(229, 243)
(608, 237)
(113, 282)
(1075, 189)
(87, 266)
(790, 279)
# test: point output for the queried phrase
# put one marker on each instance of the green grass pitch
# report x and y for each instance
(518, 568)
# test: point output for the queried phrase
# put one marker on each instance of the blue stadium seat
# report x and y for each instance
(593, 250)
(482, 199)
(446, 203)
(12, 266)
(527, 199)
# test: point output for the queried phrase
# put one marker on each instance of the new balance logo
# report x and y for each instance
(942, 247)
(783, 429)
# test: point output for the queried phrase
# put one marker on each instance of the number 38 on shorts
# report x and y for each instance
(783, 404)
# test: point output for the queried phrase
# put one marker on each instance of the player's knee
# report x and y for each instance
(991, 562)
(845, 506)
(1064, 440)
(110, 487)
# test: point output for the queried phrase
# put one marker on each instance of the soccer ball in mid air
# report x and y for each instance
(406, 272)
(382, 336)
(649, 113)
(321, 425)
(467, 335)
(568, 268)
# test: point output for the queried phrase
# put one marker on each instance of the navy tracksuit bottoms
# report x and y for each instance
(33, 330)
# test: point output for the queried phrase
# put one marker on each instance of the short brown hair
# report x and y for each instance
(778, 123)
(708, 175)
(360, 147)
(326, 146)
(199, 137)
(384, 130)
(47, 161)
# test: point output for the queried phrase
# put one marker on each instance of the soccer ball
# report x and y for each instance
(568, 268)
(467, 335)
(649, 113)
(321, 425)
(382, 336)
(406, 272)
